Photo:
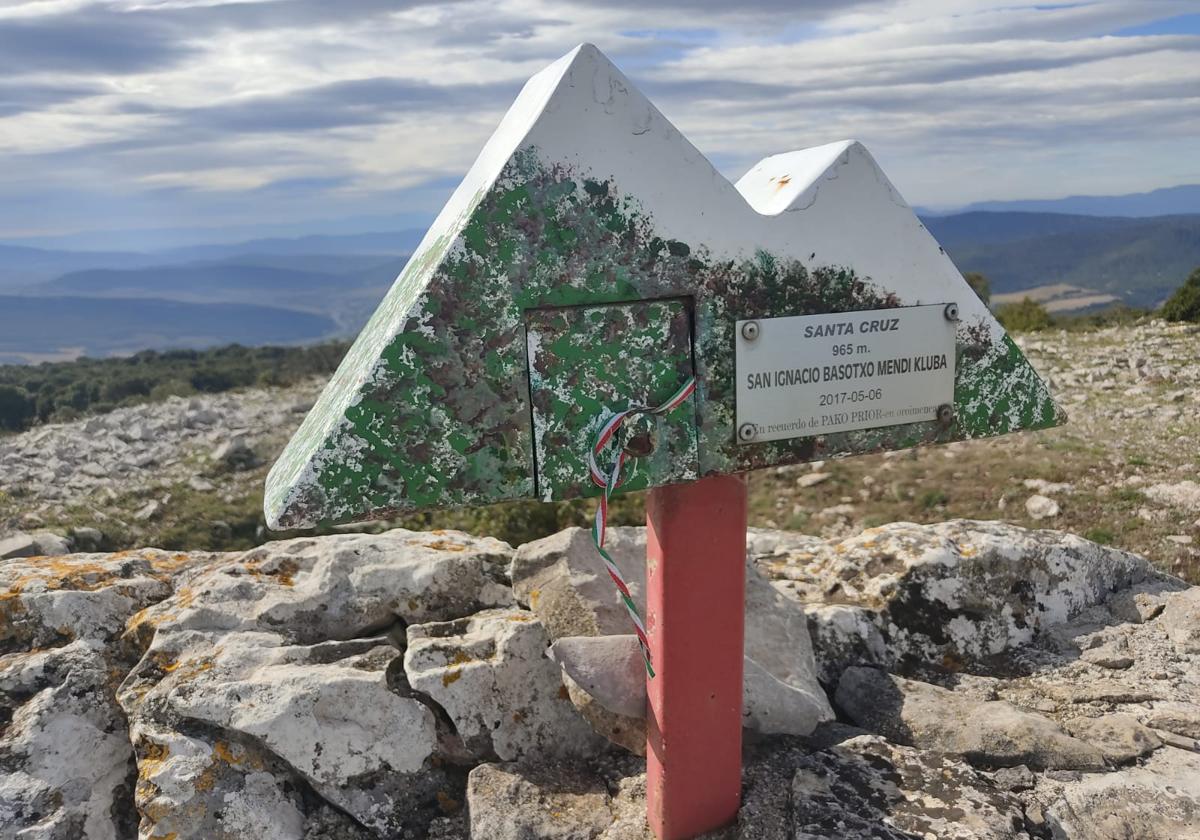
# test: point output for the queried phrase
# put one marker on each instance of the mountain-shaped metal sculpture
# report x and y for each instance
(593, 258)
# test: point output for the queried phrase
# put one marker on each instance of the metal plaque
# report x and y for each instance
(815, 374)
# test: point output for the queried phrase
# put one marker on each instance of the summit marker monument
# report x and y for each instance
(598, 310)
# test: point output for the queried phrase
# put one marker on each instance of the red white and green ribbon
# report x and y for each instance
(610, 480)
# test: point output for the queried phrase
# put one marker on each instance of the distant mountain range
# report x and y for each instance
(1168, 201)
(55, 328)
(1139, 260)
(56, 304)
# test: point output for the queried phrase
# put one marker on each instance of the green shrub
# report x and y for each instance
(17, 407)
(1184, 303)
(979, 284)
(61, 391)
(1026, 316)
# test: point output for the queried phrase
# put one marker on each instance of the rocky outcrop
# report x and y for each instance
(67, 760)
(294, 649)
(598, 800)
(358, 687)
(129, 477)
(490, 674)
(988, 732)
(953, 594)
(559, 579)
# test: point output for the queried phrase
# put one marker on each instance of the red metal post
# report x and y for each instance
(695, 615)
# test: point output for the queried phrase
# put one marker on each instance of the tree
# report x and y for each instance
(16, 407)
(980, 284)
(1026, 316)
(1184, 303)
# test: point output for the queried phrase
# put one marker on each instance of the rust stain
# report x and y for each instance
(152, 757)
(442, 545)
(448, 803)
(783, 182)
(282, 572)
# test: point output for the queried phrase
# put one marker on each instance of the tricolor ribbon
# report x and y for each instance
(610, 480)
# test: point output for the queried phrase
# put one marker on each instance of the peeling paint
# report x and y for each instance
(432, 406)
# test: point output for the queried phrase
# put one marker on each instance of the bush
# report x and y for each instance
(979, 284)
(17, 408)
(62, 391)
(1184, 304)
(1026, 316)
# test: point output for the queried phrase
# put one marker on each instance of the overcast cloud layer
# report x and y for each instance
(261, 114)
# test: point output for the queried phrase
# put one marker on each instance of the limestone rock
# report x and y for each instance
(603, 798)
(1115, 654)
(181, 776)
(562, 579)
(861, 786)
(1181, 617)
(284, 648)
(627, 731)
(151, 510)
(18, 545)
(1159, 800)
(491, 674)
(326, 711)
(812, 479)
(1177, 716)
(1119, 737)
(87, 539)
(49, 600)
(340, 587)
(1041, 507)
(509, 802)
(68, 766)
(989, 733)
(1184, 495)
(235, 454)
(955, 593)
(63, 468)
(608, 668)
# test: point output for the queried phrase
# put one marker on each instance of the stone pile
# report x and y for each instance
(138, 453)
(988, 682)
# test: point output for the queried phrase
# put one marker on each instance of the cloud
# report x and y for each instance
(203, 108)
(21, 97)
(88, 41)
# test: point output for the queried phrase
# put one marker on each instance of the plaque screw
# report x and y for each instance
(945, 414)
(750, 331)
(747, 432)
(951, 311)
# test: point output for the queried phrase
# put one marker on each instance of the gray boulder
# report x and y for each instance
(955, 593)
(490, 674)
(18, 545)
(562, 579)
(552, 800)
(235, 454)
(294, 649)
(846, 784)
(989, 733)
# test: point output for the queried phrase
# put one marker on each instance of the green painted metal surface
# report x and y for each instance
(587, 361)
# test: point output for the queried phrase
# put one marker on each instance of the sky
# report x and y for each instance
(144, 123)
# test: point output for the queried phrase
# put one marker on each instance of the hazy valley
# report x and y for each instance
(302, 290)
